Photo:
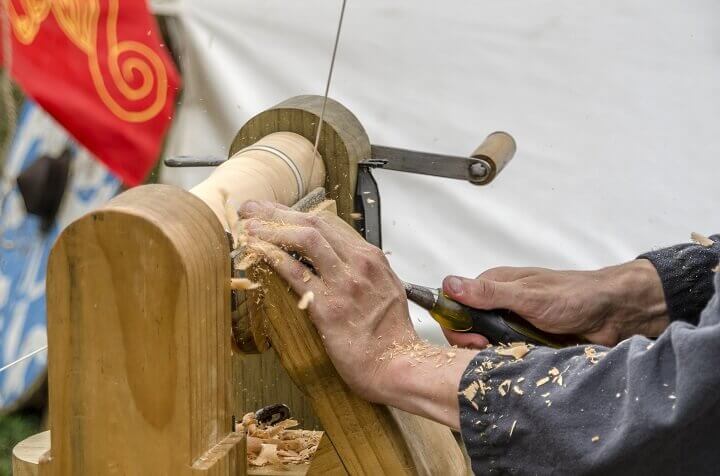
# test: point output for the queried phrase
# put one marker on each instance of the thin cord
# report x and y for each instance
(327, 85)
(24, 357)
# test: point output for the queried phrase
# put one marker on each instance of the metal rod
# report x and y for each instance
(24, 357)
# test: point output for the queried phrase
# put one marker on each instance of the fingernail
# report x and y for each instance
(454, 284)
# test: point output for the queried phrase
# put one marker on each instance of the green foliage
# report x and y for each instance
(13, 429)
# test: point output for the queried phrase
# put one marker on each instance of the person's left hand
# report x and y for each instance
(359, 305)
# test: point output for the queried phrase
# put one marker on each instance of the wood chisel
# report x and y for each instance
(498, 326)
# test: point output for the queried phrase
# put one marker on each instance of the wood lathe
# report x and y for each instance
(144, 377)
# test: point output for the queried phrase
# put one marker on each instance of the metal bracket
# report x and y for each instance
(472, 169)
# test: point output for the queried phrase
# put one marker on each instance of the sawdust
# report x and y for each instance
(595, 439)
(592, 355)
(517, 390)
(356, 216)
(305, 300)
(277, 444)
(701, 239)
(243, 284)
(418, 351)
(512, 428)
(518, 350)
(542, 381)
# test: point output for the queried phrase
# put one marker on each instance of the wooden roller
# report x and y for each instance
(496, 150)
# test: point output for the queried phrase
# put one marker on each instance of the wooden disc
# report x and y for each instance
(343, 141)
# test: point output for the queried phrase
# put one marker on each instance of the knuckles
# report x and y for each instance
(309, 238)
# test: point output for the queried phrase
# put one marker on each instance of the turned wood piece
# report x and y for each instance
(277, 167)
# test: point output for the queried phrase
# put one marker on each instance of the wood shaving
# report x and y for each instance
(595, 438)
(268, 455)
(356, 216)
(517, 390)
(592, 355)
(306, 275)
(518, 350)
(512, 428)
(306, 299)
(471, 390)
(554, 372)
(504, 387)
(545, 395)
(520, 379)
(243, 284)
(277, 444)
(542, 381)
(701, 239)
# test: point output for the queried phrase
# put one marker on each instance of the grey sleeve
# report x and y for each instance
(687, 277)
(642, 407)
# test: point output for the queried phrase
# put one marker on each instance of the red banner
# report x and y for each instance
(98, 67)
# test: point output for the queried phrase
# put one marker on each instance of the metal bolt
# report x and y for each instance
(479, 171)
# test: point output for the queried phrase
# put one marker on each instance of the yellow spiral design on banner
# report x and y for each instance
(127, 60)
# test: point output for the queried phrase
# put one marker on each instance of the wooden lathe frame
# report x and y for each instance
(143, 375)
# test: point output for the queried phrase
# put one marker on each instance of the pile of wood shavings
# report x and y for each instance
(278, 444)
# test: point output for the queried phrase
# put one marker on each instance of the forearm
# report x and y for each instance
(425, 381)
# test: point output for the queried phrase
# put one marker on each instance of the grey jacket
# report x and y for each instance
(642, 407)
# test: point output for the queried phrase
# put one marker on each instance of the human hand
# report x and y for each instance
(603, 306)
(359, 305)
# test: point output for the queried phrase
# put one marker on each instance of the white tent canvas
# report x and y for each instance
(614, 105)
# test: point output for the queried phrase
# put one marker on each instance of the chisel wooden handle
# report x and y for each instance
(496, 150)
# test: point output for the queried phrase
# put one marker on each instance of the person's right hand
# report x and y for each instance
(603, 306)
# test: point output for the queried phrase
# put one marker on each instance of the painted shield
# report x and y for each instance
(24, 246)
